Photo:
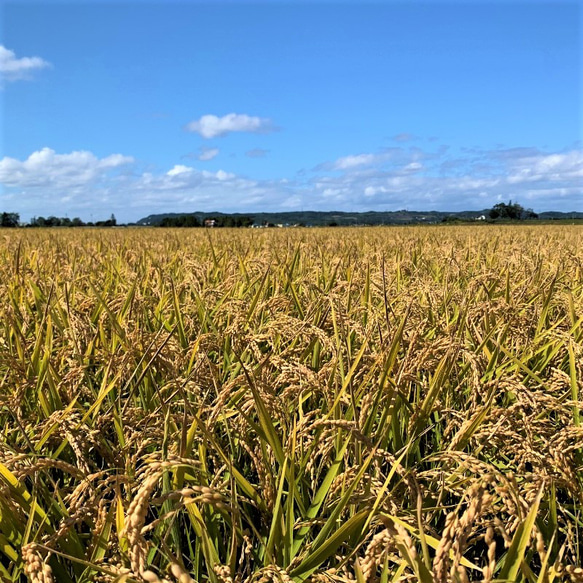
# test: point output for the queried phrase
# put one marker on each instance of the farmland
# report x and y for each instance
(376, 404)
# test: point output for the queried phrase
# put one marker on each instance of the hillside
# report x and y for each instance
(320, 218)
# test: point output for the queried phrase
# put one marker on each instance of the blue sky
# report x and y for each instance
(141, 107)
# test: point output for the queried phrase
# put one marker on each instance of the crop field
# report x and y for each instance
(289, 405)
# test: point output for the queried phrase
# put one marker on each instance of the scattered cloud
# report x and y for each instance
(348, 162)
(185, 172)
(388, 156)
(80, 182)
(351, 162)
(551, 167)
(403, 137)
(178, 170)
(207, 154)
(211, 126)
(256, 153)
(13, 68)
(203, 154)
(439, 179)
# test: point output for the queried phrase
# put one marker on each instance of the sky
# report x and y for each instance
(140, 107)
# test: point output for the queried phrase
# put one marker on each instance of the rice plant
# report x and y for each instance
(326, 405)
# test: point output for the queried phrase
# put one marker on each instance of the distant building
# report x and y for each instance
(210, 222)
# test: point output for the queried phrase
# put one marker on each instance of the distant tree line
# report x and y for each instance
(56, 222)
(193, 221)
(180, 221)
(500, 212)
(67, 222)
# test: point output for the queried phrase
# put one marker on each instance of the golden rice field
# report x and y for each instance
(326, 405)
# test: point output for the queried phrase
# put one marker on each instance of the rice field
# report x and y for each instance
(289, 405)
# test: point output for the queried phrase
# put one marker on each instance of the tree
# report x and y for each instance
(38, 222)
(180, 221)
(9, 220)
(111, 222)
(53, 222)
(510, 211)
(191, 221)
(451, 219)
(529, 214)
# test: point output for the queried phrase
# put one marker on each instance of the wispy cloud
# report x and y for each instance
(203, 154)
(394, 156)
(256, 153)
(403, 137)
(13, 68)
(440, 180)
(212, 126)
(208, 154)
(358, 160)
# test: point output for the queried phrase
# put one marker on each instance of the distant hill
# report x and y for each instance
(321, 218)
(555, 215)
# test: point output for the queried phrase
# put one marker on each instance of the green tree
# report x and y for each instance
(9, 220)
(53, 222)
(511, 211)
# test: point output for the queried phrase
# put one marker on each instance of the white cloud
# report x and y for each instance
(179, 176)
(178, 170)
(292, 203)
(540, 167)
(208, 154)
(46, 168)
(112, 161)
(211, 126)
(395, 157)
(186, 189)
(347, 162)
(80, 182)
(371, 190)
(13, 68)
(222, 175)
(395, 178)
